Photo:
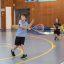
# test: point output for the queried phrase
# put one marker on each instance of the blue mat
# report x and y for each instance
(39, 31)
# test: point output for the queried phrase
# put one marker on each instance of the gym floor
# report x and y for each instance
(41, 49)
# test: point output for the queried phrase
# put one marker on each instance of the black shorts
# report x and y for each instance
(57, 31)
(19, 41)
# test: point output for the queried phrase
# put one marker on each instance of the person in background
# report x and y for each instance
(57, 26)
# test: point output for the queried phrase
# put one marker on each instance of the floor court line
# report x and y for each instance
(9, 46)
(34, 58)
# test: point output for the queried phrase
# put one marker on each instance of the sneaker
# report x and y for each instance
(55, 38)
(24, 56)
(12, 52)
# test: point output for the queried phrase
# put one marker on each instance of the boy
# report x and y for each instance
(21, 34)
(57, 26)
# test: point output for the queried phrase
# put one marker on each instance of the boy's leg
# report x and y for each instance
(55, 38)
(58, 37)
(15, 47)
(23, 48)
(12, 51)
(24, 51)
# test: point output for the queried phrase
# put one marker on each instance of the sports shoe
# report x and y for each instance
(24, 56)
(12, 52)
(55, 38)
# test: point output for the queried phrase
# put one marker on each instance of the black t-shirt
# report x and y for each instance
(57, 25)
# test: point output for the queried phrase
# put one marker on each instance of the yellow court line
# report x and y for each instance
(10, 46)
(52, 46)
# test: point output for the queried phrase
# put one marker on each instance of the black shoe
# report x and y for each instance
(12, 52)
(24, 56)
(55, 38)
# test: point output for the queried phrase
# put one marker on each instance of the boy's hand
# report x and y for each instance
(32, 22)
(29, 28)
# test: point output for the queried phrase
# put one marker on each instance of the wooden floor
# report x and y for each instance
(41, 49)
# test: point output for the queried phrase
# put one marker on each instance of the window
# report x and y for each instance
(45, 0)
(38, 0)
(31, 0)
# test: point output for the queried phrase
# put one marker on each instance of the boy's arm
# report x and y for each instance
(30, 25)
(54, 26)
(23, 27)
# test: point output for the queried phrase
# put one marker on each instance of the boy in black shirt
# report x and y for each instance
(57, 25)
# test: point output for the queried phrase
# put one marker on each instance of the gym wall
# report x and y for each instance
(41, 12)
